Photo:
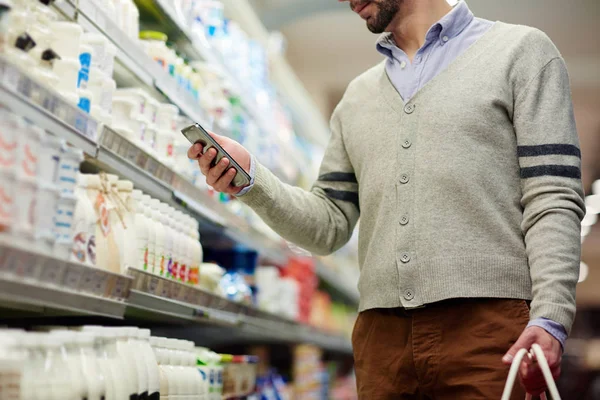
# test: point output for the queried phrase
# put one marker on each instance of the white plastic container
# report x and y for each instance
(182, 273)
(86, 55)
(49, 158)
(128, 360)
(168, 239)
(45, 209)
(196, 253)
(7, 205)
(103, 52)
(24, 217)
(177, 245)
(67, 71)
(68, 169)
(116, 236)
(85, 100)
(84, 225)
(133, 26)
(159, 252)
(69, 353)
(166, 117)
(66, 38)
(63, 225)
(152, 228)
(137, 352)
(151, 364)
(29, 139)
(138, 258)
(138, 96)
(127, 219)
(94, 376)
(11, 126)
(164, 146)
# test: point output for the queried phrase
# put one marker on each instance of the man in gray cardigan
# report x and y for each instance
(460, 152)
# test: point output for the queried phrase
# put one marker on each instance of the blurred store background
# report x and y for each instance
(99, 90)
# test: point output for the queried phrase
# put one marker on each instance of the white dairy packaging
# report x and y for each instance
(56, 371)
(63, 225)
(126, 218)
(110, 363)
(169, 235)
(152, 228)
(159, 352)
(128, 360)
(70, 159)
(111, 234)
(182, 273)
(171, 240)
(159, 256)
(70, 354)
(90, 366)
(136, 351)
(84, 224)
(137, 254)
(151, 364)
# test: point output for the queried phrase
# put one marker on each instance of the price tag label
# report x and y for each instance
(91, 131)
(30, 265)
(99, 286)
(73, 277)
(224, 316)
(52, 273)
(121, 288)
(11, 77)
(176, 291)
(153, 286)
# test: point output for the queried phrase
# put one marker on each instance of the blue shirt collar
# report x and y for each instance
(451, 25)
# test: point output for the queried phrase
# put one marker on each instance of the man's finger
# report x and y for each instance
(224, 181)
(524, 342)
(214, 174)
(205, 161)
(195, 151)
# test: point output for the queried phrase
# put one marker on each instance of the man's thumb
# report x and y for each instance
(524, 342)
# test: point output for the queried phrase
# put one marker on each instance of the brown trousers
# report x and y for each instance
(451, 350)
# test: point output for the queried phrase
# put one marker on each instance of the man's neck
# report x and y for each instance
(414, 20)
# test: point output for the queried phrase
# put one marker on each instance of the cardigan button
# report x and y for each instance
(404, 220)
(404, 178)
(406, 144)
(409, 294)
(405, 258)
(409, 108)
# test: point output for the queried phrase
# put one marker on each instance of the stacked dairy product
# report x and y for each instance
(118, 227)
(101, 363)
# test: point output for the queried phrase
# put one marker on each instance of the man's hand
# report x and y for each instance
(530, 373)
(220, 176)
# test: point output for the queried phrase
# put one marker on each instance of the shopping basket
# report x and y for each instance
(537, 353)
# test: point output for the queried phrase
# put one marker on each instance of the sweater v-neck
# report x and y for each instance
(395, 100)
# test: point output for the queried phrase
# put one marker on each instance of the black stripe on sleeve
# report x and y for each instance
(343, 195)
(548, 149)
(338, 177)
(551, 170)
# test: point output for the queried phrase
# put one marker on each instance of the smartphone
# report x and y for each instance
(197, 134)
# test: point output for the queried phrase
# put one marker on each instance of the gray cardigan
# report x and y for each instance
(471, 189)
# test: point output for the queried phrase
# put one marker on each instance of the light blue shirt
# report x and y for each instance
(445, 41)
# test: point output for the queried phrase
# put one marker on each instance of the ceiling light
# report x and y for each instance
(583, 272)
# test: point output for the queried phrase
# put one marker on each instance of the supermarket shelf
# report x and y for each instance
(34, 101)
(130, 54)
(222, 321)
(33, 280)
